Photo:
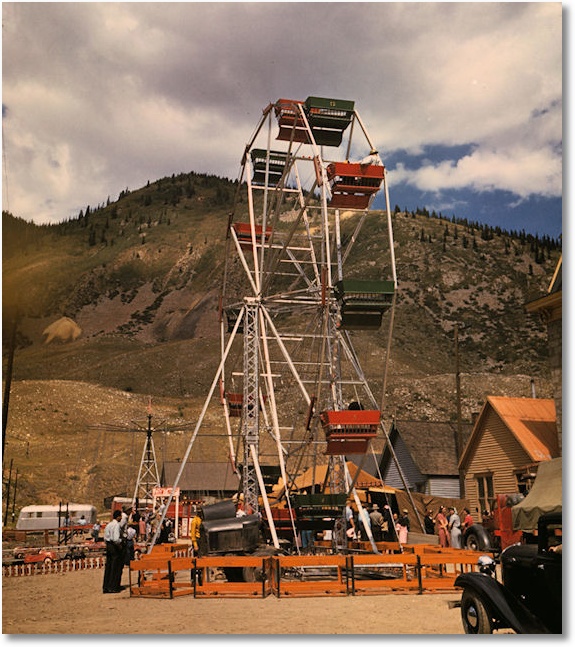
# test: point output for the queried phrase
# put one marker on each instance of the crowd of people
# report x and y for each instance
(382, 524)
(386, 525)
(362, 523)
(448, 526)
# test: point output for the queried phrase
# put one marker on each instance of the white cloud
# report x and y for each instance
(101, 96)
(522, 171)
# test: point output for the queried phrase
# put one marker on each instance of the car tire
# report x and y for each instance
(472, 541)
(251, 574)
(474, 615)
(48, 561)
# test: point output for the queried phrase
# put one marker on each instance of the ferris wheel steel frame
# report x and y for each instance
(304, 249)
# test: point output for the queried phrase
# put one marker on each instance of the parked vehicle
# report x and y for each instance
(223, 533)
(496, 532)
(41, 556)
(514, 517)
(52, 517)
(529, 598)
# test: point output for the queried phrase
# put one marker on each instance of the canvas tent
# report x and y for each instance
(373, 489)
(546, 495)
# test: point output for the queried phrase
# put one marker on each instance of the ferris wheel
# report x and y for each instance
(290, 383)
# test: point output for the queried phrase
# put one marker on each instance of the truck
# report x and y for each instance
(495, 532)
(224, 533)
(514, 517)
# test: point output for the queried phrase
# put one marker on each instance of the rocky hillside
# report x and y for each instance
(140, 276)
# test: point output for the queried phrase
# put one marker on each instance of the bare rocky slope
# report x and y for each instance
(141, 278)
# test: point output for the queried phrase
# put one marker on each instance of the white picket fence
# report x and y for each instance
(61, 566)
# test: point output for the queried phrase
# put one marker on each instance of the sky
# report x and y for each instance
(463, 100)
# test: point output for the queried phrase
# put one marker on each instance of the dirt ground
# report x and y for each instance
(72, 603)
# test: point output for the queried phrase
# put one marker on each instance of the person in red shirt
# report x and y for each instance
(467, 519)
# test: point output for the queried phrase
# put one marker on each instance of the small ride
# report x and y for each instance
(39, 556)
(528, 600)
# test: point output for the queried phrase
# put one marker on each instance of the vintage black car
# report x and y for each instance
(529, 598)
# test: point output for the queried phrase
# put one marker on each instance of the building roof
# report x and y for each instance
(432, 445)
(551, 303)
(556, 284)
(364, 479)
(532, 421)
(201, 477)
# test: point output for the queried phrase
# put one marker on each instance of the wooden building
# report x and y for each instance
(550, 308)
(427, 455)
(510, 438)
(207, 481)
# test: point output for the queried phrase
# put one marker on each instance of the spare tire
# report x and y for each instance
(476, 538)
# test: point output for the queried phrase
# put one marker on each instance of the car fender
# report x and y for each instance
(483, 537)
(503, 606)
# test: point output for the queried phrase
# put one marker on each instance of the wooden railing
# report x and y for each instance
(421, 569)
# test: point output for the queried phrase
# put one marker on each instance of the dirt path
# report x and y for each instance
(72, 603)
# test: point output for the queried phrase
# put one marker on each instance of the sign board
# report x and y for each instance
(165, 491)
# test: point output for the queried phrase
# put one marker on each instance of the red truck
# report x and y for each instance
(495, 532)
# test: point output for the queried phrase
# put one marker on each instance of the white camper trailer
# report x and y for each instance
(52, 517)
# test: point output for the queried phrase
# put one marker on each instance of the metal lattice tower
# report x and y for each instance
(250, 422)
(148, 475)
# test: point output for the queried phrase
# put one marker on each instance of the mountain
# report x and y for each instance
(141, 277)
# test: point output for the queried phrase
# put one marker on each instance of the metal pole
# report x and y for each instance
(8, 491)
(14, 499)
(8, 384)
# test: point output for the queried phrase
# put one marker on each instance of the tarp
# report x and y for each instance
(546, 495)
(364, 480)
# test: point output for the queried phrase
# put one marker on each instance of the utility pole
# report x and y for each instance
(458, 393)
(14, 498)
(8, 486)
(8, 384)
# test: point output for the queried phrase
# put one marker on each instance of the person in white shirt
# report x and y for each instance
(372, 158)
(114, 555)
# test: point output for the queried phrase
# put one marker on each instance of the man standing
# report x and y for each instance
(429, 522)
(196, 531)
(114, 555)
(376, 519)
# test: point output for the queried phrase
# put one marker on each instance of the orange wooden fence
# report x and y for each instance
(424, 569)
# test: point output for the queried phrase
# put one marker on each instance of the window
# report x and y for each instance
(485, 491)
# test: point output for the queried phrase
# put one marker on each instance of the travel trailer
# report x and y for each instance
(52, 517)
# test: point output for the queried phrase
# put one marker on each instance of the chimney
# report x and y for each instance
(533, 394)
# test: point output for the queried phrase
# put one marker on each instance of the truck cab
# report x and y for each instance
(495, 533)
